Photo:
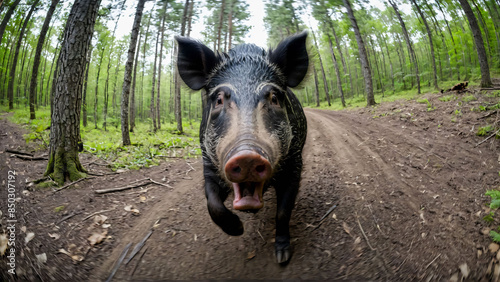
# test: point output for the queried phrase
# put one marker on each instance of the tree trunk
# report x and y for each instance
(219, 27)
(478, 39)
(7, 17)
(316, 85)
(12, 74)
(431, 44)
(128, 72)
(141, 92)
(325, 83)
(230, 24)
(106, 85)
(190, 17)
(337, 72)
(152, 109)
(36, 62)
(65, 124)
(413, 57)
(370, 99)
(457, 64)
(96, 97)
(158, 104)
(85, 83)
(342, 59)
(390, 61)
(132, 91)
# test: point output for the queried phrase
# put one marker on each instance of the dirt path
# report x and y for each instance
(418, 199)
(408, 184)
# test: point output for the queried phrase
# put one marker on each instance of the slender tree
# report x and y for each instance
(65, 138)
(431, 44)
(411, 52)
(363, 57)
(7, 17)
(12, 74)
(36, 61)
(128, 72)
(478, 39)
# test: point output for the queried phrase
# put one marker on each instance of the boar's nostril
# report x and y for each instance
(260, 168)
(237, 169)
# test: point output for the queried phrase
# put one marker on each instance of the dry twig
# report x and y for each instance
(96, 213)
(74, 182)
(364, 235)
(487, 138)
(139, 246)
(18, 152)
(119, 262)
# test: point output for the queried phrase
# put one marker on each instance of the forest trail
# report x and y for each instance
(417, 196)
(408, 184)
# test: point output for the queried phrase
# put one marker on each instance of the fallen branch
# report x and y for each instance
(74, 182)
(102, 174)
(118, 189)
(488, 115)
(139, 261)
(27, 158)
(364, 235)
(487, 138)
(324, 216)
(139, 246)
(67, 217)
(492, 88)
(96, 213)
(119, 262)
(158, 183)
(18, 152)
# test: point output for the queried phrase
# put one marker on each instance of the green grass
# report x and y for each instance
(360, 101)
(447, 98)
(148, 148)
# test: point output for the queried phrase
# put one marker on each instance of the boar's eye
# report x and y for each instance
(274, 98)
(220, 99)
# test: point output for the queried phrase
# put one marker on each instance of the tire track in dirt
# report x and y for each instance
(397, 184)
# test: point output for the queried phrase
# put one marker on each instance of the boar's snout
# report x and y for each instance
(247, 166)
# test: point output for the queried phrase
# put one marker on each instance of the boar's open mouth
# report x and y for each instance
(248, 195)
(247, 171)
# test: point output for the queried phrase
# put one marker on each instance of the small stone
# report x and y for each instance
(464, 269)
(485, 231)
(454, 278)
(493, 247)
(479, 253)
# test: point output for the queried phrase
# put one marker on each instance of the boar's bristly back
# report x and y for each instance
(195, 61)
(291, 57)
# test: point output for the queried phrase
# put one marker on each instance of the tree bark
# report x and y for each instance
(478, 39)
(152, 110)
(413, 57)
(85, 83)
(367, 75)
(431, 44)
(325, 83)
(128, 73)
(38, 52)
(132, 91)
(7, 17)
(65, 136)
(316, 85)
(337, 72)
(219, 27)
(106, 85)
(12, 74)
(158, 104)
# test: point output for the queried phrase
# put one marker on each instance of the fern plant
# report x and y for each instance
(495, 204)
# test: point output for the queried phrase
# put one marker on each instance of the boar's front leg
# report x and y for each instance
(216, 192)
(287, 187)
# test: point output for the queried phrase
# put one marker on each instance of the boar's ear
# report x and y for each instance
(195, 61)
(291, 57)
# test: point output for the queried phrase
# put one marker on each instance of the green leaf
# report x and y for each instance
(495, 236)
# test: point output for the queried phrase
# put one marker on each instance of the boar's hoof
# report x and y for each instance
(233, 227)
(283, 255)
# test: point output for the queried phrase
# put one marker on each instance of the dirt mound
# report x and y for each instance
(406, 177)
